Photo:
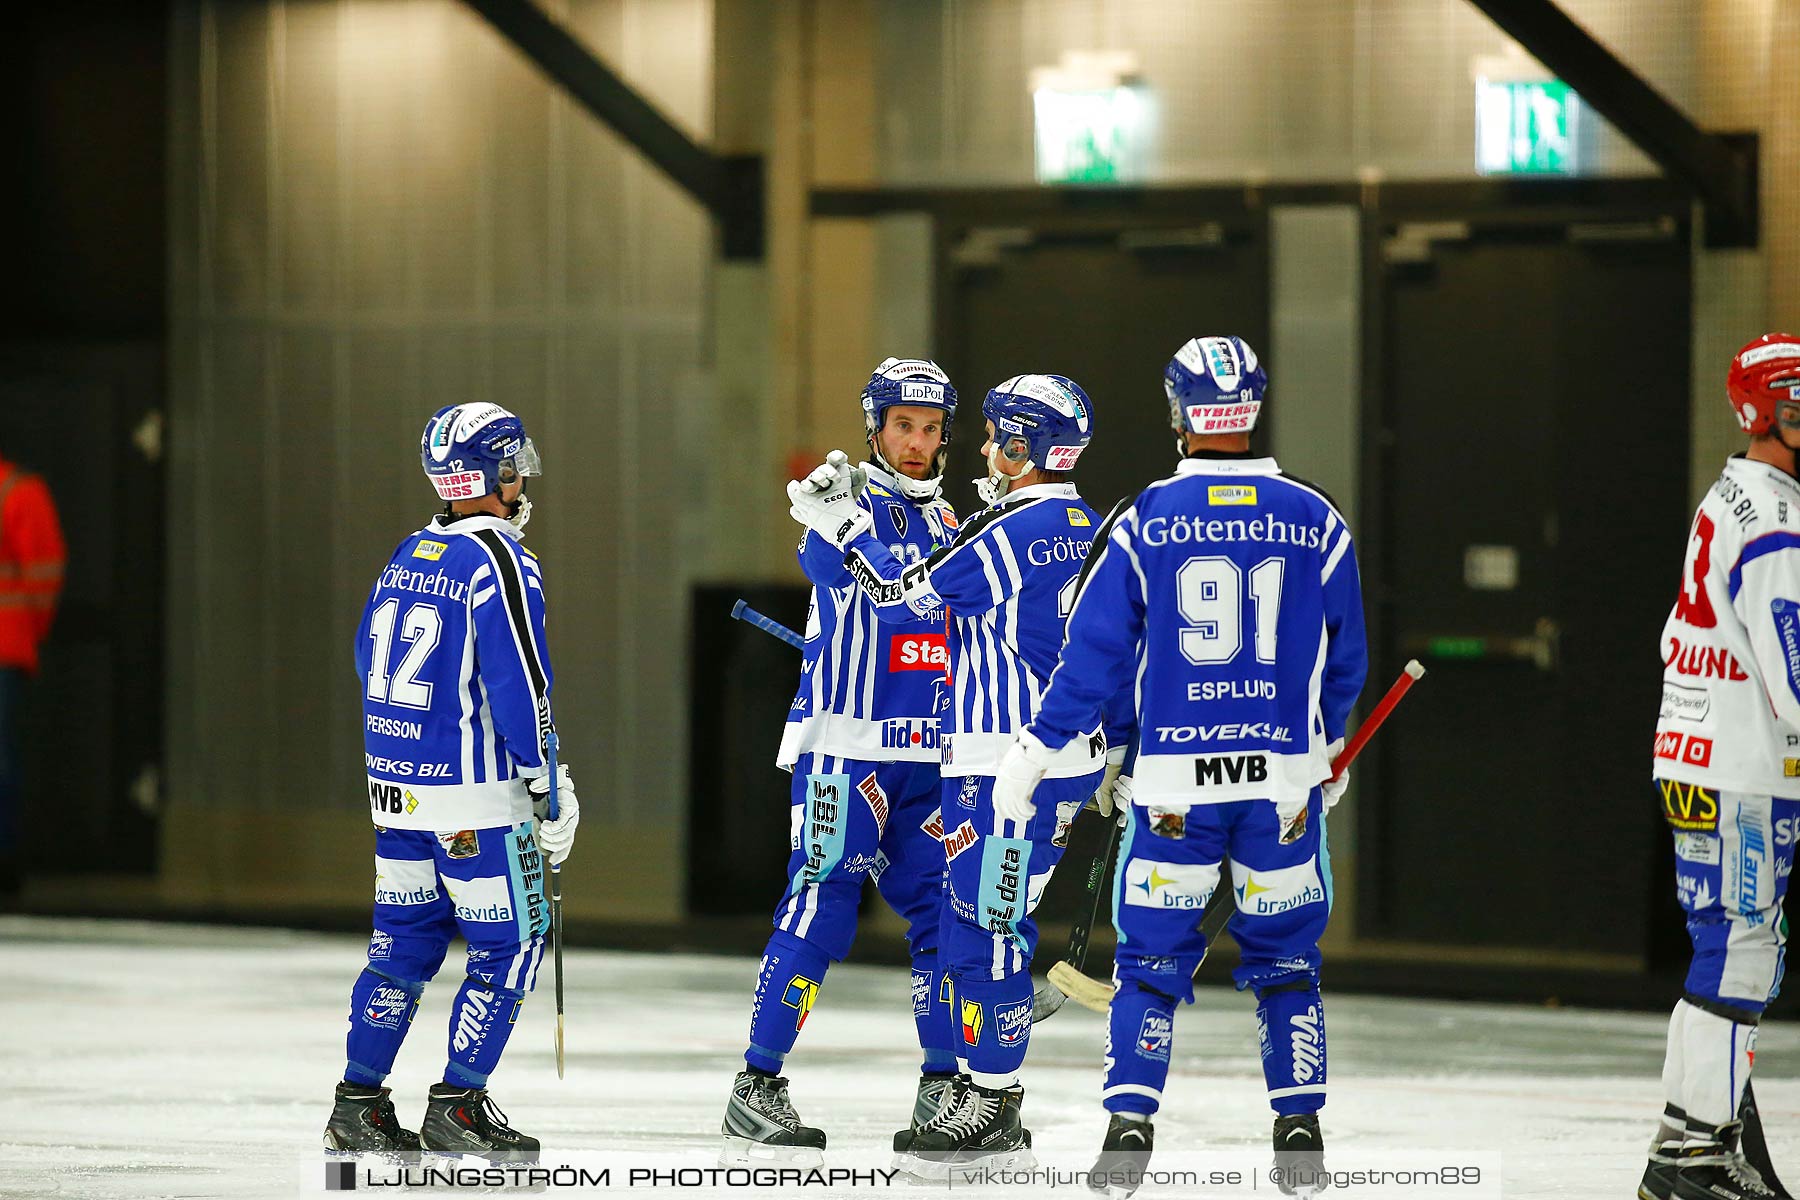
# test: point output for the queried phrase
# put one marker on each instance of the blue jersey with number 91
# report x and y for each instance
(1229, 593)
(455, 678)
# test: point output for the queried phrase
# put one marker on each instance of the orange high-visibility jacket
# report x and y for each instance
(31, 565)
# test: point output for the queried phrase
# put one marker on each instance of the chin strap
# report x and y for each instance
(920, 490)
(517, 513)
(998, 483)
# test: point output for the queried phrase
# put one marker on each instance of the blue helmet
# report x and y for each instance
(469, 450)
(1215, 385)
(908, 381)
(1044, 421)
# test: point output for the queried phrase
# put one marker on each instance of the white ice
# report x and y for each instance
(148, 1060)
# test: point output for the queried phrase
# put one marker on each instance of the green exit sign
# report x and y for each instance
(1527, 127)
(1092, 135)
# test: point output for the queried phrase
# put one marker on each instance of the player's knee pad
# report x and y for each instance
(1738, 959)
(511, 967)
(1170, 976)
(407, 957)
(412, 987)
(1302, 983)
(918, 901)
(822, 915)
(1267, 976)
(499, 990)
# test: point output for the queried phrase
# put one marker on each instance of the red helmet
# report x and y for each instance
(1764, 373)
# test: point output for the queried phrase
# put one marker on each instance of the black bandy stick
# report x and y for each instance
(1050, 997)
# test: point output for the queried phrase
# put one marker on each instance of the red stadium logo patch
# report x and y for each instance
(917, 652)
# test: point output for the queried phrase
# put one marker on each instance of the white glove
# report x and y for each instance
(825, 501)
(1122, 794)
(1292, 814)
(555, 838)
(826, 474)
(1333, 789)
(1017, 777)
(1104, 798)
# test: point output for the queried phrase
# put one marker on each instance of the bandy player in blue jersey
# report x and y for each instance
(862, 743)
(455, 676)
(1227, 596)
(1006, 582)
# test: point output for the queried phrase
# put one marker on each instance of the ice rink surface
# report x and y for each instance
(162, 1061)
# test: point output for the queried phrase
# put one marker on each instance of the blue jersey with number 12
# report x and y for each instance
(456, 678)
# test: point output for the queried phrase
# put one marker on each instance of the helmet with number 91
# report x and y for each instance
(1763, 384)
(1040, 421)
(472, 450)
(1215, 386)
(908, 381)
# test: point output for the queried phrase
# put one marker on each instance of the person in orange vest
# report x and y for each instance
(31, 577)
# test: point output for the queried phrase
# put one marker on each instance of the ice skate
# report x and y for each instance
(1299, 1155)
(1710, 1166)
(1119, 1171)
(982, 1129)
(467, 1121)
(1658, 1182)
(934, 1092)
(363, 1121)
(761, 1126)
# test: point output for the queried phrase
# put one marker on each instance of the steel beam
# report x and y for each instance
(1719, 169)
(730, 187)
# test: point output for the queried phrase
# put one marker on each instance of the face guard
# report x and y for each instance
(522, 465)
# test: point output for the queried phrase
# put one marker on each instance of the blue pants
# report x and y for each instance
(851, 820)
(997, 873)
(1169, 865)
(1733, 854)
(486, 884)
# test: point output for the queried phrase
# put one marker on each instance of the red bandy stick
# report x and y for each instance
(1409, 675)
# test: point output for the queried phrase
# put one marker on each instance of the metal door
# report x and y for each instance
(1530, 464)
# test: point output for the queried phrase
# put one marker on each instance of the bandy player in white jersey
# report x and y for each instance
(1727, 764)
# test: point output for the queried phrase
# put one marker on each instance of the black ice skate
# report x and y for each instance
(934, 1092)
(1119, 1171)
(1299, 1156)
(1658, 1182)
(363, 1121)
(982, 1130)
(1710, 1166)
(467, 1121)
(762, 1127)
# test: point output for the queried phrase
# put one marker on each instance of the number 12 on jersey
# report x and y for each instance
(422, 628)
(1210, 594)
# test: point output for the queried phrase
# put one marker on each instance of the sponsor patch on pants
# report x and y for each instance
(1688, 807)
(1267, 893)
(1307, 1040)
(1012, 1022)
(1154, 1036)
(800, 995)
(387, 1007)
(1153, 884)
(972, 1021)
